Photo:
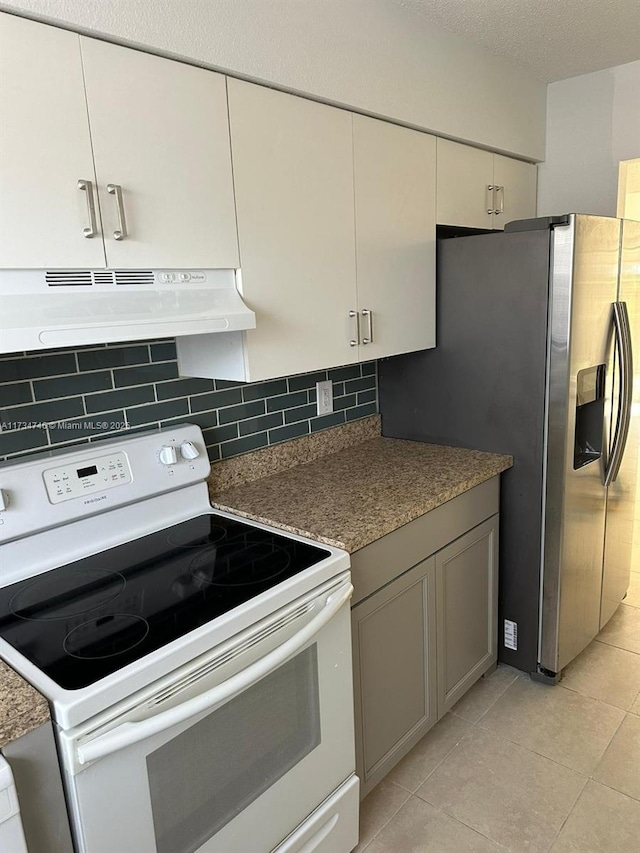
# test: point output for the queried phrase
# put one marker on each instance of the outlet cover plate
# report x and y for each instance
(324, 396)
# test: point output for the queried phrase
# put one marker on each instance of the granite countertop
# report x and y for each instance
(351, 498)
(22, 708)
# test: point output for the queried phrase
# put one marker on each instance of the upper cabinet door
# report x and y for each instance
(395, 199)
(293, 172)
(516, 185)
(45, 150)
(464, 177)
(160, 135)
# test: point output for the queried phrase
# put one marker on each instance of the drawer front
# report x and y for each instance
(379, 563)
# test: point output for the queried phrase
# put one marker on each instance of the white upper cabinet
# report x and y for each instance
(395, 193)
(478, 189)
(464, 177)
(293, 172)
(516, 189)
(320, 194)
(45, 151)
(160, 133)
(161, 191)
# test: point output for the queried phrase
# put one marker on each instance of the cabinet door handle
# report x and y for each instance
(121, 232)
(500, 194)
(491, 198)
(92, 229)
(355, 329)
(368, 315)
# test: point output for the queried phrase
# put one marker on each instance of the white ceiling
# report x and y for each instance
(554, 39)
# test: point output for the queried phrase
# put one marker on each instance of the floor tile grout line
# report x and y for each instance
(624, 717)
(615, 790)
(571, 810)
(444, 757)
(542, 755)
(477, 725)
(498, 697)
(392, 816)
(596, 698)
(467, 825)
(586, 778)
(493, 840)
(603, 643)
(622, 648)
(441, 811)
(433, 770)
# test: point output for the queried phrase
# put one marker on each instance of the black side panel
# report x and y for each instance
(484, 387)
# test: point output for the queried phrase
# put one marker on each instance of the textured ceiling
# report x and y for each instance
(554, 39)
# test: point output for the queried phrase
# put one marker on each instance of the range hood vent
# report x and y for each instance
(40, 309)
(68, 278)
(73, 278)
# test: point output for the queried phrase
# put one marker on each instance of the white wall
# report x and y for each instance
(593, 122)
(372, 55)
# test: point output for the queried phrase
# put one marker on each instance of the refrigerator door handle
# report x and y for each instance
(622, 332)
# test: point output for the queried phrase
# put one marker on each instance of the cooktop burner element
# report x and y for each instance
(106, 637)
(190, 538)
(79, 623)
(76, 593)
(228, 565)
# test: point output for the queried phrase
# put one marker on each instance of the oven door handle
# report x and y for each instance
(133, 732)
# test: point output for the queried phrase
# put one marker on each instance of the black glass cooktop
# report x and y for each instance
(85, 620)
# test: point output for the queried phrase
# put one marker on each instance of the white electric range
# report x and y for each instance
(198, 666)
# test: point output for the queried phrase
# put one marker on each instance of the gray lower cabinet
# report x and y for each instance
(424, 624)
(467, 611)
(394, 654)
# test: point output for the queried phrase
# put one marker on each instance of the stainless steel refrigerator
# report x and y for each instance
(536, 332)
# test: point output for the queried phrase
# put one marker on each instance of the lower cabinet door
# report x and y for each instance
(394, 633)
(467, 601)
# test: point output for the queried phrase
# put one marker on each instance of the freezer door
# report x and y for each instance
(584, 276)
(621, 494)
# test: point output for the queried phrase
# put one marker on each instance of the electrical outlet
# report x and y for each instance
(324, 395)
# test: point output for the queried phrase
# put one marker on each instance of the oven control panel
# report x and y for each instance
(46, 490)
(66, 482)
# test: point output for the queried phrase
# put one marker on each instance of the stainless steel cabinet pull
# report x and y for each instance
(491, 198)
(369, 317)
(500, 195)
(121, 233)
(625, 362)
(355, 335)
(92, 229)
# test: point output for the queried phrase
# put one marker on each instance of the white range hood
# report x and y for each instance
(41, 309)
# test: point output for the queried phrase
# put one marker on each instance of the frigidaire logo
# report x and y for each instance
(95, 500)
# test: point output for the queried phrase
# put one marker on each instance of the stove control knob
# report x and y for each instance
(4, 500)
(168, 455)
(188, 450)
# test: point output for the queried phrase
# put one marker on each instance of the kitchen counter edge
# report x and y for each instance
(363, 492)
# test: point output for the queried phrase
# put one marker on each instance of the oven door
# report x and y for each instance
(231, 753)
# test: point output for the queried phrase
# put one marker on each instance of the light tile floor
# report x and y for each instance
(519, 766)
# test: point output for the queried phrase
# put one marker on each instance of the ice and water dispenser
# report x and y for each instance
(589, 436)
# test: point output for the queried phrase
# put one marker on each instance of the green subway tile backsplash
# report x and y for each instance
(65, 386)
(15, 393)
(78, 396)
